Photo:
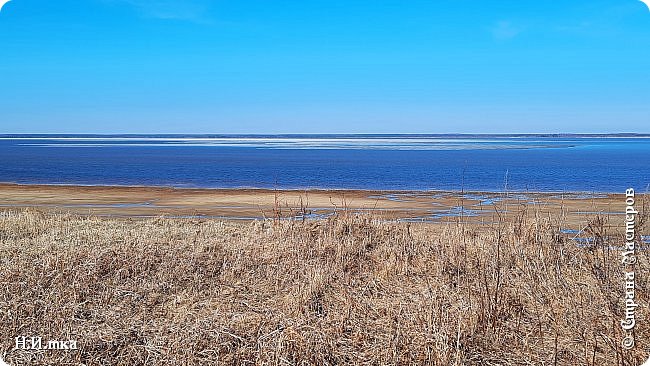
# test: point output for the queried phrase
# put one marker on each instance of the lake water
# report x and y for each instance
(395, 162)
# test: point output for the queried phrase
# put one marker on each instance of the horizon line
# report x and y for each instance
(261, 135)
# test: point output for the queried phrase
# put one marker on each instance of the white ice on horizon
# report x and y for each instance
(295, 143)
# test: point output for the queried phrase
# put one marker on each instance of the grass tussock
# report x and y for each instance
(347, 290)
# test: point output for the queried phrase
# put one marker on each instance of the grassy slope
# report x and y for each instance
(348, 290)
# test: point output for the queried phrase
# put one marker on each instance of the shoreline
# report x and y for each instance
(308, 189)
(252, 204)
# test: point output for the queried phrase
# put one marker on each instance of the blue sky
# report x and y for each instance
(353, 66)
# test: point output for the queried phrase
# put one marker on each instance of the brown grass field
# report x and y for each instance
(351, 289)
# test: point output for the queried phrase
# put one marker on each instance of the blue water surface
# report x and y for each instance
(575, 164)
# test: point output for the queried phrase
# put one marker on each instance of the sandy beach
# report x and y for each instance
(250, 204)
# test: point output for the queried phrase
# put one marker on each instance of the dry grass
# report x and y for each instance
(347, 290)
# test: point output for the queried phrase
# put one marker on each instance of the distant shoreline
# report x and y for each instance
(333, 135)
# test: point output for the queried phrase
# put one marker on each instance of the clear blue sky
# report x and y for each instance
(353, 66)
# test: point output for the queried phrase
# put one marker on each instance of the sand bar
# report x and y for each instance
(248, 204)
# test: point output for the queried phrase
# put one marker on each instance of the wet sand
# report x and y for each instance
(249, 204)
